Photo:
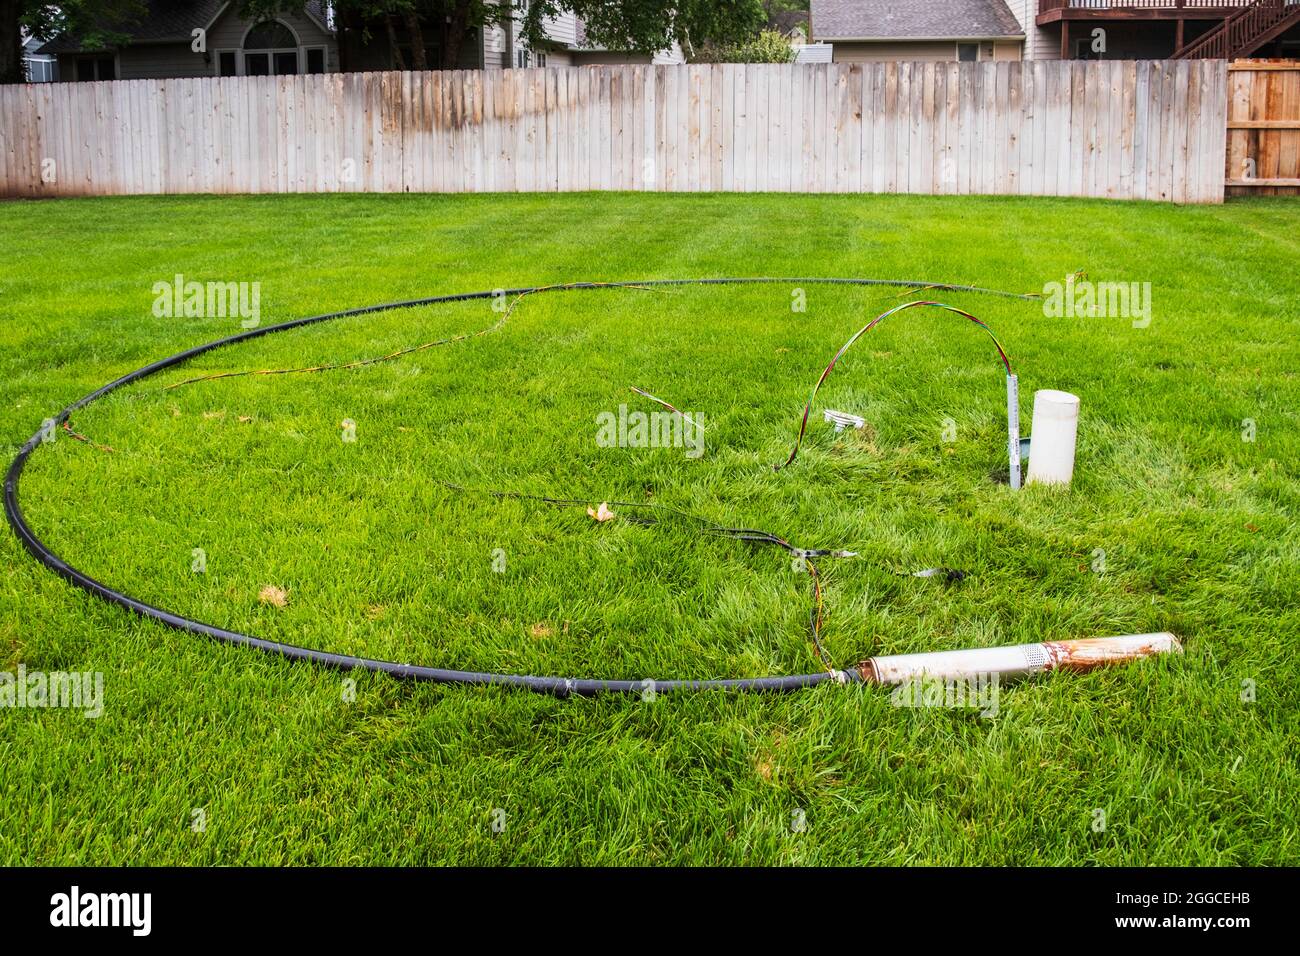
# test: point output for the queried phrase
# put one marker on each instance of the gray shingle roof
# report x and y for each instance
(906, 19)
(165, 20)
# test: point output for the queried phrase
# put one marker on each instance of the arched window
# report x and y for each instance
(269, 36)
(270, 48)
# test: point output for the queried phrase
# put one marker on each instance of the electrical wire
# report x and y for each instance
(807, 409)
(560, 686)
(388, 357)
(711, 528)
(672, 408)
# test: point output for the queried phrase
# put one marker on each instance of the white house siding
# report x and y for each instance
(494, 48)
(670, 57)
(563, 31)
(813, 53)
(922, 50)
(1039, 44)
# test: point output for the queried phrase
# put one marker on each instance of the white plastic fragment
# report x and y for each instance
(842, 420)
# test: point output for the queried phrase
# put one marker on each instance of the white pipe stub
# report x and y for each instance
(1019, 660)
(1052, 437)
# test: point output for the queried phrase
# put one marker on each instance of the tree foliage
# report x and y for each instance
(647, 26)
(768, 47)
(426, 34)
(97, 22)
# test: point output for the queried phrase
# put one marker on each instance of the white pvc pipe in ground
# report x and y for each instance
(1013, 430)
(1052, 437)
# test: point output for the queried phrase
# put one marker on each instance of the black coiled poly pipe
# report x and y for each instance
(561, 686)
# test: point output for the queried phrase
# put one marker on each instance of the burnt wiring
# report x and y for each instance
(67, 428)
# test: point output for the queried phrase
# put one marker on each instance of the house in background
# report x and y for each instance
(1161, 29)
(814, 53)
(308, 40)
(863, 31)
(161, 45)
(586, 53)
(40, 68)
(1056, 29)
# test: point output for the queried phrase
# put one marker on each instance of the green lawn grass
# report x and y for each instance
(379, 558)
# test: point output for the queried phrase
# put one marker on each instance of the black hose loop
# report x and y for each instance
(558, 686)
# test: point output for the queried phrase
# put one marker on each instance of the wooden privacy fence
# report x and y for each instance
(1119, 129)
(1264, 128)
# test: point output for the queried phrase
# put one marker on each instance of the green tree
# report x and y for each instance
(433, 31)
(97, 22)
(646, 26)
(768, 47)
(441, 27)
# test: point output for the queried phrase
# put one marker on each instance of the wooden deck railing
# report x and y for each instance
(1101, 6)
(1239, 30)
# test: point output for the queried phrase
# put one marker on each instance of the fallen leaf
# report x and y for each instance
(270, 594)
(245, 418)
(376, 611)
(176, 412)
(602, 513)
(781, 351)
(540, 630)
(220, 414)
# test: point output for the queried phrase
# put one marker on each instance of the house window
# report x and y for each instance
(270, 49)
(40, 71)
(1083, 50)
(968, 52)
(316, 59)
(523, 57)
(226, 63)
(541, 59)
(91, 68)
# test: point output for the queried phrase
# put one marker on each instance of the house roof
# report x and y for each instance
(167, 21)
(912, 20)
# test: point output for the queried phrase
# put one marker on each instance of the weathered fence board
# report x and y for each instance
(1128, 130)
